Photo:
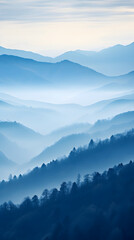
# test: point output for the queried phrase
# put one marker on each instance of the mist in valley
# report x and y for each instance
(51, 122)
(66, 120)
(50, 108)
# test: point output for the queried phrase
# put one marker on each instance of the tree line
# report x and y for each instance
(97, 156)
(101, 207)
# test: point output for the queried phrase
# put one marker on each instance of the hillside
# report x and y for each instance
(7, 166)
(100, 130)
(18, 132)
(116, 60)
(76, 128)
(97, 157)
(21, 71)
(5, 162)
(97, 208)
(108, 108)
(12, 150)
(20, 143)
(61, 148)
(24, 54)
(121, 122)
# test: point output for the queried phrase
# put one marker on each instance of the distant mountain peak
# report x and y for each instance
(131, 44)
(25, 54)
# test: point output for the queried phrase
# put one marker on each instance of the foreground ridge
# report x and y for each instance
(103, 202)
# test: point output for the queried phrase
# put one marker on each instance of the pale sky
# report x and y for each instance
(51, 27)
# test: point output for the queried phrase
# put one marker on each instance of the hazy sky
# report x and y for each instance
(54, 26)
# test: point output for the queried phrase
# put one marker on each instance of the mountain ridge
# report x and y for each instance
(98, 156)
(97, 60)
(22, 71)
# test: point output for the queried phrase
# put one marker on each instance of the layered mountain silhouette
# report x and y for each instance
(98, 207)
(61, 148)
(19, 142)
(100, 130)
(112, 61)
(16, 71)
(107, 127)
(54, 116)
(96, 157)
(18, 132)
(122, 82)
(76, 128)
(109, 108)
(116, 60)
(5, 162)
(30, 116)
(12, 150)
(43, 144)
(7, 166)
(24, 54)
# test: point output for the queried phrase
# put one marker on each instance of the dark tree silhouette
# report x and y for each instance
(99, 208)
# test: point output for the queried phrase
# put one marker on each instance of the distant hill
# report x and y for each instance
(16, 71)
(119, 119)
(127, 79)
(4, 104)
(18, 132)
(12, 150)
(5, 162)
(121, 83)
(24, 141)
(108, 108)
(124, 117)
(51, 117)
(48, 116)
(96, 157)
(76, 128)
(7, 166)
(61, 148)
(116, 60)
(106, 127)
(100, 130)
(24, 54)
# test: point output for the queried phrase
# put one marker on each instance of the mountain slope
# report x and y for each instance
(97, 157)
(22, 143)
(108, 108)
(4, 104)
(18, 132)
(61, 148)
(5, 162)
(53, 116)
(7, 166)
(116, 60)
(100, 130)
(18, 71)
(106, 127)
(72, 129)
(98, 208)
(24, 54)
(12, 150)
